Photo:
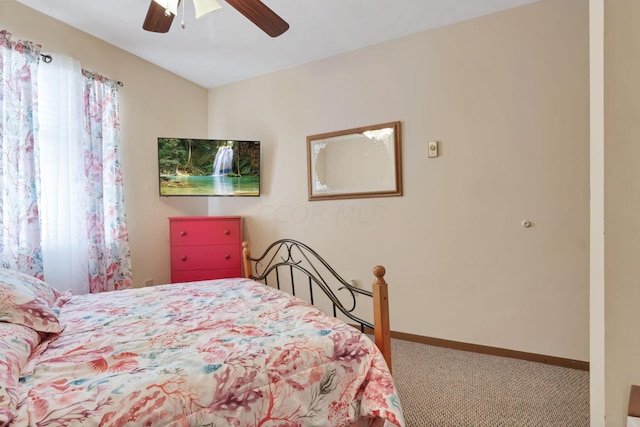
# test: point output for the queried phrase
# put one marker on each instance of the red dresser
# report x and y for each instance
(205, 247)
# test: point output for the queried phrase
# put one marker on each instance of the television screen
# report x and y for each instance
(208, 167)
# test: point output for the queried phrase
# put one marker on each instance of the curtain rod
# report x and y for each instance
(48, 58)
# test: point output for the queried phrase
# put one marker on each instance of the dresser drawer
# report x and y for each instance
(205, 247)
(205, 231)
(179, 276)
(205, 257)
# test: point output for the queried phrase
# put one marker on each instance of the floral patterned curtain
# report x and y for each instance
(101, 201)
(20, 246)
(109, 257)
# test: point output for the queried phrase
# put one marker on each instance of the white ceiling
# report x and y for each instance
(224, 46)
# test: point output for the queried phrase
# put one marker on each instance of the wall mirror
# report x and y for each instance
(354, 163)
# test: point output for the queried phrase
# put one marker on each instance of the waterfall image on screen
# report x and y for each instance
(208, 167)
(223, 162)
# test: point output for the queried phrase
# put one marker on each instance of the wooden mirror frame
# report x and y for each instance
(354, 160)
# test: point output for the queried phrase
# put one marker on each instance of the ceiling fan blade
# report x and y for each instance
(156, 20)
(260, 14)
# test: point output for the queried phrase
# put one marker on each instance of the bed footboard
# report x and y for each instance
(295, 265)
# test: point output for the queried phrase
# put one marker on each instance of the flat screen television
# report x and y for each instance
(208, 167)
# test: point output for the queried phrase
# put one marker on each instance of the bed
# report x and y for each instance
(227, 352)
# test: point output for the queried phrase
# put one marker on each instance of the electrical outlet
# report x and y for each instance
(355, 284)
(433, 149)
(148, 282)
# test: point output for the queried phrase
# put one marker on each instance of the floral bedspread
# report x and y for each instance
(228, 352)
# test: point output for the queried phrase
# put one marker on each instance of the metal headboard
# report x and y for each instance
(289, 256)
(317, 273)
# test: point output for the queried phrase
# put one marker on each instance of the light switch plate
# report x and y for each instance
(433, 149)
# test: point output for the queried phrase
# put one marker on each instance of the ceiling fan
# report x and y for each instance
(161, 13)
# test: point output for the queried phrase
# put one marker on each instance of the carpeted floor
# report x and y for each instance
(441, 387)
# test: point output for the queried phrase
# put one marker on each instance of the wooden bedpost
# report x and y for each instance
(245, 260)
(381, 330)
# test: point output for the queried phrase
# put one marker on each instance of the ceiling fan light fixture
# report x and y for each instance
(158, 20)
(169, 6)
(203, 7)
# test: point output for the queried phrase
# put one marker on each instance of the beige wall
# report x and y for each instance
(153, 103)
(507, 95)
(622, 204)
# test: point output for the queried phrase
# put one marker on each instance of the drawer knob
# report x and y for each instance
(227, 256)
(183, 233)
(227, 232)
(184, 258)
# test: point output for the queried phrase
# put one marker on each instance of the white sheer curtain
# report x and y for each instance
(62, 208)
